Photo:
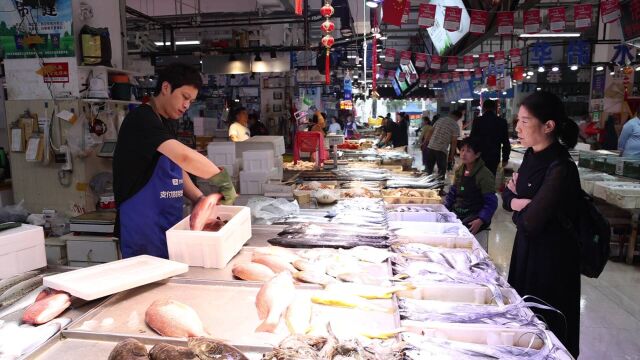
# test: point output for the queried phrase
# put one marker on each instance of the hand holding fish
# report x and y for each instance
(205, 209)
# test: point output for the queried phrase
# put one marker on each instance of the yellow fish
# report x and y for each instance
(333, 298)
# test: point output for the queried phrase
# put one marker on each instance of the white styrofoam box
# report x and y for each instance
(276, 174)
(251, 182)
(627, 197)
(458, 293)
(257, 160)
(223, 152)
(277, 141)
(600, 187)
(21, 249)
(435, 234)
(587, 181)
(211, 249)
(110, 278)
(432, 207)
(443, 217)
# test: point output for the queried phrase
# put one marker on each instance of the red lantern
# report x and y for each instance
(518, 73)
(326, 10)
(491, 80)
(327, 26)
(327, 41)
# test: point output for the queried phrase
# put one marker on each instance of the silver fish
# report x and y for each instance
(18, 291)
(5, 284)
(27, 300)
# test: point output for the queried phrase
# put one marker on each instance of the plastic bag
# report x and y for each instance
(14, 213)
(265, 210)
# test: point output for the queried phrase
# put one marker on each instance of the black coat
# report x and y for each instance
(493, 133)
(545, 261)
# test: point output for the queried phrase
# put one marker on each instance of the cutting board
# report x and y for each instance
(110, 278)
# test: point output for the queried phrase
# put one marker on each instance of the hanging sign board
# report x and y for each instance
(582, 16)
(479, 20)
(452, 18)
(436, 62)
(468, 61)
(505, 20)
(499, 57)
(452, 62)
(426, 15)
(532, 21)
(405, 57)
(516, 56)
(421, 60)
(557, 19)
(390, 55)
(407, 10)
(483, 59)
(609, 11)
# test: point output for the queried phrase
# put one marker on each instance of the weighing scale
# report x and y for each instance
(107, 149)
(96, 222)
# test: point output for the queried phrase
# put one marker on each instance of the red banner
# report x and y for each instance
(582, 16)
(483, 60)
(467, 75)
(424, 78)
(609, 11)
(405, 57)
(392, 11)
(407, 10)
(452, 62)
(499, 57)
(426, 15)
(444, 78)
(478, 21)
(452, 17)
(468, 61)
(55, 72)
(421, 60)
(557, 19)
(505, 20)
(402, 76)
(436, 62)
(391, 74)
(532, 21)
(413, 78)
(478, 73)
(516, 56)
(455, 76)
(435, 77)
(390, 55)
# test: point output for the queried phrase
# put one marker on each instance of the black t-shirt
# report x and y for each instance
(136, 154)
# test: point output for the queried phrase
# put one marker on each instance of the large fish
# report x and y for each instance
(171, 352)
(210, 349)
(48, 305)
(205, 210)
(313, 277)
(284, 253)
(273, 299)
(275, 263)
(298, 316)
(171, 318)
(22, 303)
(307, 241)
(129, 349)
(19, 290)
(252, 272)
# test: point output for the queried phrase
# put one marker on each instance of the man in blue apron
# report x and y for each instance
(151, 168)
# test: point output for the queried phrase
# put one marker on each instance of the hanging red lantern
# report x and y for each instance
(326, 10)
(491, 80)
(327, 26)
(327, 41)
(518, 73)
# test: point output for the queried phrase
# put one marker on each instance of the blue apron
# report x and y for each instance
(146, 216)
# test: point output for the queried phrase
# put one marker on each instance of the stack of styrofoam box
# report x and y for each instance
(223, 154)
(257, 170)
(274, 143)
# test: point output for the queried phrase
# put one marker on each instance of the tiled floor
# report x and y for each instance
(610, 305)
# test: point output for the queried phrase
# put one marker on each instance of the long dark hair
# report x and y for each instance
(546, 106)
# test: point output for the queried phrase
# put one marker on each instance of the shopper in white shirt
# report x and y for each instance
(334, 128)
(239, 129)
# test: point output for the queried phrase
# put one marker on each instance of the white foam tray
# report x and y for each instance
(21, 249)
(110, 278)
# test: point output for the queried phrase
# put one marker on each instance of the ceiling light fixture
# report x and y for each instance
(185, 42)
(372, 3)
(530, 73)
(550, 35)
(538, 89)
(599, 68)
(574, 67)
(541, 69)
(555, 68)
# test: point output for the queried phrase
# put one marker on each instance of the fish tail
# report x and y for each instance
(267, 326)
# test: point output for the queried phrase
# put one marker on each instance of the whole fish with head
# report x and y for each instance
(6, 283)
(317, 254)
(210, 349)
(19, 290)
(22, 303)
(174, 319)
(313, 277)
(298, 315)
(129, 349)
(275, 263)
(252, 272)
(306, 265)
(370, 254)
(48, 305)
(305, 241)
(332, 298)
(273, 299)
(171, 352)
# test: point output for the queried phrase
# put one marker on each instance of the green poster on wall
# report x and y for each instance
(36, 28)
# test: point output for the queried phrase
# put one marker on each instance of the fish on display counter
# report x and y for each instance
(164, 351)
(174, 319)
(198, 348)
(48, 305)
(211, 349)
(129, 349)
(273, 299)
(298, 315)
(9, 282)
(273, 262)
(252, 272)
(18, 290)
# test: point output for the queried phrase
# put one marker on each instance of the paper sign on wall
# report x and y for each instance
(609, 11)
(478, 22)
(421, 60)
(405, 57)
(468, 61)
(483, 59)
(582, 16)
(436, 62)
(452, 17)
(505, 20)
(557, 19)
(499, 57)
(426, 15)
(532, 21)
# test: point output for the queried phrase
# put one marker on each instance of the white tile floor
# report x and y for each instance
(610, 305)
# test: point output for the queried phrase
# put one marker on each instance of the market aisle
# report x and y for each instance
(610, 305)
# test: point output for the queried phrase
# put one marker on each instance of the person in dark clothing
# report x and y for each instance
(610, 134)
(545, 261)
(493, 132)
(401, 135)
(472, 196)
(389, 133)
(256, 127)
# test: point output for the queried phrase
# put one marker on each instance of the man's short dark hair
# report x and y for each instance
(471, 143)
(178, 75)
(233, 114)
(489, 105)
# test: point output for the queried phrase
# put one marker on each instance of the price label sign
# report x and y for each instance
(452, 18)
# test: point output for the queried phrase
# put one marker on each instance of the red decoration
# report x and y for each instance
(557, 19)
(426, 15)
(405, 57)
(478, 73)
(478, 21)
(424, 78)
(532, 21)
(483, 59)
(327, 41)
(390, 55)
(452, 62)
(516, 56)
(392, 11)
(518, 73)
(421, 60)
(436, 62)
(467, 75)
(468, 61)
(505, 20)
(326, 10)
(499, 57)
(452, 17)
(582, 16)
(327, 26)
(610, 11)
(298, 7)
(491, 80)
(405, 14)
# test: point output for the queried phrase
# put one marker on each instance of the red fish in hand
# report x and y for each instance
(204, 211)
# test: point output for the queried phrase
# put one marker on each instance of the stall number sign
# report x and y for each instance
(55, 72)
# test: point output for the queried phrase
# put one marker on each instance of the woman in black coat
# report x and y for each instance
(545, 260)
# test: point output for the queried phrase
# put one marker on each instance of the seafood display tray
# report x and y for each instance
(70, 348)
(227, 310)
